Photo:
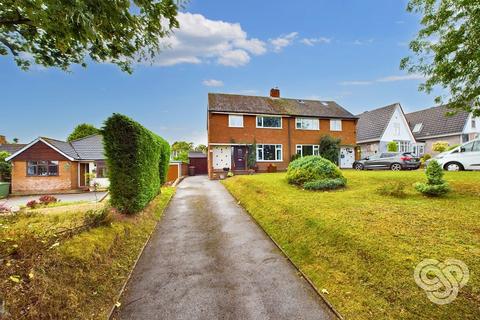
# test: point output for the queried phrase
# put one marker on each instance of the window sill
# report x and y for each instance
(235, 127)
(307, 129)
(269, 160)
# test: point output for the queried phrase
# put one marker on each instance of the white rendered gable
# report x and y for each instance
(398, 128)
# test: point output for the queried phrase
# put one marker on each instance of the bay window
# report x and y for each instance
(269, 152)
(307, 124)
(308, 150)
(42, 168)
(269, 122)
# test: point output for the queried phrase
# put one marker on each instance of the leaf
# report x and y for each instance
(118, 304)
(31, 275)
(15, 279)
(325, 291)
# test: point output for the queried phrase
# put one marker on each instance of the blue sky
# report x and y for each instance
(347, 51)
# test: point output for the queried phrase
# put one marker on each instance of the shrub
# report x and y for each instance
(32, 204)
(295, 157)
(47, 199)
(425, 157)
(440, 146)
(393, 189)
(392, 146)
(325, 184)
(435, 185)
(99, 217)
(138, 163)
(329, 148)
(4, 209)
(313, 169)
(5, 166)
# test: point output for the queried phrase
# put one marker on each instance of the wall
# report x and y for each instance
(21, 183)
(369, 149)
(453, 140)
(288, 136)
(390, 133)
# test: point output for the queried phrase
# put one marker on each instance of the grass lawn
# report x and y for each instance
(47, 273)
(363, 247)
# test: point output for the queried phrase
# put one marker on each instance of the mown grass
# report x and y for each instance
(48, 274)
(363, 247)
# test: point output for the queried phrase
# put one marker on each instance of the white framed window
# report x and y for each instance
(269, 152)
(474, 123)
(235, 121)
(308, 150)
(404, 146)
(307, 124)
(269, 122)
(335, 125)
(418, 127)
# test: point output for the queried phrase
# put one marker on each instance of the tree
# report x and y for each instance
(330, 148)
(446, 50)
(15, 140)
(55, 33)
(180, 150)
(5, 167)
(440, 146)
(201, 148)
(435, 186)
(81, 131)
(392, 146)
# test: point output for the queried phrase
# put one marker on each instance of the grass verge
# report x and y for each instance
(47, 273)
(362, 247)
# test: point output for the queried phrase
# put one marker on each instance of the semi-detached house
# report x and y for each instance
(274, 129)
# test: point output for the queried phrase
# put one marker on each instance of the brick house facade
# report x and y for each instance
(53, 166)
(279, 128)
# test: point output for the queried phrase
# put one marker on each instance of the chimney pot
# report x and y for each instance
(275, 92)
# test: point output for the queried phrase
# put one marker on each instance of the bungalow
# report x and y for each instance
(268, 131)
(433, 125)
(376, 128)
(52, 166)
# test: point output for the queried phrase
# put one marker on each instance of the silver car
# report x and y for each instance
(394, 161)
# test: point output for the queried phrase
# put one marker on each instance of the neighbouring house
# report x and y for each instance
(265, 132)
(433, 125)
(51, 166)
(376, 128)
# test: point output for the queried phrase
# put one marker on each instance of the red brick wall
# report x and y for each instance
(220, 132)
(66, 179)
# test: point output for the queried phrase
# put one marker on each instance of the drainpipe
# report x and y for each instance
(289, 141)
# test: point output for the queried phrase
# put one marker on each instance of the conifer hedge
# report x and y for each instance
(138, 162)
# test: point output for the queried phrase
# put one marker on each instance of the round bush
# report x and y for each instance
(312, 169)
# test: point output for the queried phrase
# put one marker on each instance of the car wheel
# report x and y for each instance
(396, 167)
(454, 166)
(358, 166)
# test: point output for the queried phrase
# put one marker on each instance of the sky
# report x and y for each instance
(347, 51)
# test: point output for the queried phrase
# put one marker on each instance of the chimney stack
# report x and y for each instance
(275, 92)
(3, 140)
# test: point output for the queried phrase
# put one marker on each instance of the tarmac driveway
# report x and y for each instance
(207, 259)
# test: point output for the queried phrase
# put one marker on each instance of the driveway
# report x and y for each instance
(207, 259)
(69, 197)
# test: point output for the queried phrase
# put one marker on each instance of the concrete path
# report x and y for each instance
(68, 197)
(207, 259)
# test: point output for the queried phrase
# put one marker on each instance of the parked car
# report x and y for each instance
(388, 161)
(463, 157)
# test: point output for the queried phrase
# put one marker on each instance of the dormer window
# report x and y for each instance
(418, 127)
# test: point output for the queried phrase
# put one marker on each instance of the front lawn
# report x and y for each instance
(363, 247)
(64, 263)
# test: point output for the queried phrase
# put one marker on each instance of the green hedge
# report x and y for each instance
(137, 160)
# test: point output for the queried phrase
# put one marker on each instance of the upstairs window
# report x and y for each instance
(418, 127)
(42, 168)
(269, 122)
(235, 121)
(307, 124)
(474, 124)
(335, 125)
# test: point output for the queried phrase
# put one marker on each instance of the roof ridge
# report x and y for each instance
(268, 97)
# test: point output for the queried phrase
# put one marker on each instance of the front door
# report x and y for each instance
(239, 157)
(347, 157)
(84, 168)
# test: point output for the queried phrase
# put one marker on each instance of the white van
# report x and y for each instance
(464, 157)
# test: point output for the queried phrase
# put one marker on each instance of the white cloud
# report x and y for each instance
(283, 41)
(384, 79)
(402, 78)
(212, 83)
(362, 42)
(201, 40)
(314, 41)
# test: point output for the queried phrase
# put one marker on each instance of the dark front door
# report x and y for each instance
(84, 168)
(239, 157)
